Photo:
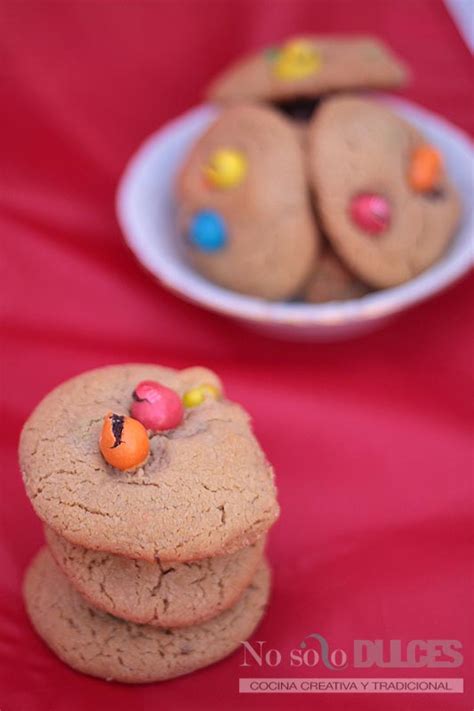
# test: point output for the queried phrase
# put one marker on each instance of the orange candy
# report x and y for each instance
(124, 442)
(425, 169)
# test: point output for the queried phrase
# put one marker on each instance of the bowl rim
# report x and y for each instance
(190, 285)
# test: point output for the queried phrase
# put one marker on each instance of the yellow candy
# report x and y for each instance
(296, 60)
(196, 396)
(226, 168)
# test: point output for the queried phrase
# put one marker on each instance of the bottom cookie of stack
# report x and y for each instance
(101, 645)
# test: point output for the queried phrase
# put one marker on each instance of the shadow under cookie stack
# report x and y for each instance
(156, 499)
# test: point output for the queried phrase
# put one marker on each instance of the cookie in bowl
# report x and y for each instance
(382, 193)
(292, 157)
(308, 67)
(243, 204)
(330, 280)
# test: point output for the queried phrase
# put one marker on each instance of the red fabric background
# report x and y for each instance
(370, 438)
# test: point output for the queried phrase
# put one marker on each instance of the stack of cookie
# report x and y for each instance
(156, 500)
(297, 191)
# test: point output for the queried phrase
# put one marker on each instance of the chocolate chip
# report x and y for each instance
(117, 428)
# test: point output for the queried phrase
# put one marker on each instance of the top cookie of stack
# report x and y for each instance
(299, 191)
(205, 488)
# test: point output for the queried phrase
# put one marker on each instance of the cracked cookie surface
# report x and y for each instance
(98, 644)
(160, 594)
(206, 489)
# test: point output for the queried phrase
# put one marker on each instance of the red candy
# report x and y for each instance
(370, 212)
(156, 406)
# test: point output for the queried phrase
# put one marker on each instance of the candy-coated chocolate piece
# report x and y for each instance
(296, 60)
(227, 168)
(208, 231)
(425, 169)
(370, 212)
(124, 442)
(196, 396)
(156, 406)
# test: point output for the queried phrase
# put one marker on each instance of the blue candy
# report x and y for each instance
(208, 231)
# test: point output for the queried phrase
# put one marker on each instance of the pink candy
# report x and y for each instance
(370, 212)
(156, 406)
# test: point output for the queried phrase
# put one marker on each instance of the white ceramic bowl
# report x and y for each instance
(145, 208)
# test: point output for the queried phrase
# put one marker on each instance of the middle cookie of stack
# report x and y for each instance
(159, 594)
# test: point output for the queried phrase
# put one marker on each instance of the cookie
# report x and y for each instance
(331, 281)
(383, 197)
(206, 488)
(307, 67)
(104, 646)
(243, 204)
(164, 595)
